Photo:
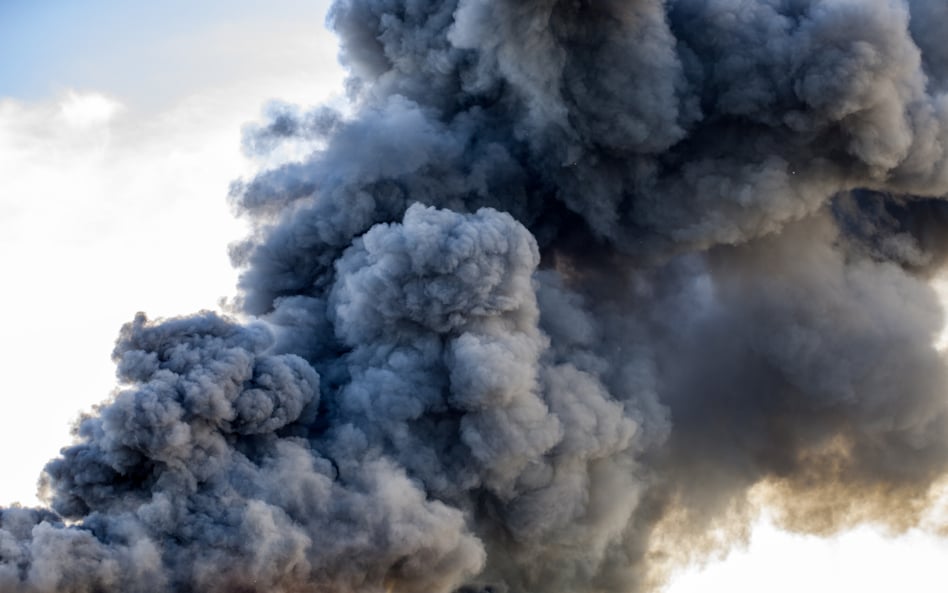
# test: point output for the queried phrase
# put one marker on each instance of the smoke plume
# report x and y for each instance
(563, 289)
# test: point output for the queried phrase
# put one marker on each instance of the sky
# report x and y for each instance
(119, 135)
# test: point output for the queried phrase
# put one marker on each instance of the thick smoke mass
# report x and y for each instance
(565, 287)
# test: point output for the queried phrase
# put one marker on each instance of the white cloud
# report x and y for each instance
(864, 559)
(87, 110)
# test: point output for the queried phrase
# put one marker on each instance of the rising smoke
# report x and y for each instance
(565, 285)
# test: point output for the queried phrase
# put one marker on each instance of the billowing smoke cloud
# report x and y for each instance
(567, 283)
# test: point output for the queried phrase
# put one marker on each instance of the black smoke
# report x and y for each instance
(568, 284)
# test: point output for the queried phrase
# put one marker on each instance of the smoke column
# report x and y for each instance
(563, 288)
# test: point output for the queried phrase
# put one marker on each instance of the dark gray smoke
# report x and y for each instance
(569, 285)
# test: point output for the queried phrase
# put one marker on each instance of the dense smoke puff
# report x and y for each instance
(668, 252)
